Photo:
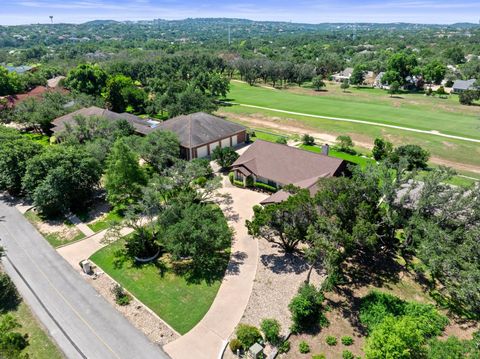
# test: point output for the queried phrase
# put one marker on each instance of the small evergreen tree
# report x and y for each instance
(124, 177)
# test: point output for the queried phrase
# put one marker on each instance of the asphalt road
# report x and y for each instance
(82, 323)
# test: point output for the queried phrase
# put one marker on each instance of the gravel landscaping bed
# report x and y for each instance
(136, 313)
(277, 281)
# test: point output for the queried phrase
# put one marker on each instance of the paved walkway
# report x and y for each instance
(76, 252)
(207, 339)
(82, 227)
(82, 323)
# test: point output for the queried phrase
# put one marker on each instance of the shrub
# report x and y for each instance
(395, 338)
(265, 187)
(347, 340)
(121, 297)
(452, 348)
(306, 308)
(347, 354)
(284, 347)
(224, 156)
(281, 140)
(345, 144)
(235, 345)
(248, 335)
(142, 243)
(331, 340)
(376, 306)
(318, 356)
(249, 181)
(414, 156)
(303, 347)
(238, 183)
(11, 342)
(308, 140)
(9, 298)
(231, 177)
(271, 329)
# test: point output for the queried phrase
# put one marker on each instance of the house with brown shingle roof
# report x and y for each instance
(141, 126)
(200, 133)
(279, 165)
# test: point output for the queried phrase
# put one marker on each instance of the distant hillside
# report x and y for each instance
(100, 22)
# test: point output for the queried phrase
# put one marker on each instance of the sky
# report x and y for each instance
(13, 12)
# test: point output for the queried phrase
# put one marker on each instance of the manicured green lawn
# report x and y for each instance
(359, 160)
(456, 151)
(181, 304)
(40, 345)
(111, 218)
(266, 136)
(412, 110)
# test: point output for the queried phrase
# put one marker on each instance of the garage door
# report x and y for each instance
(234, 140)
(202, 151)
(213, 146)
(226, 142)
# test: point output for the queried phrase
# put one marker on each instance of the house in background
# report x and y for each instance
(141, 126)
(278, 165)
(200, 133)
(343, 75)
(20, 69)
(463, 85)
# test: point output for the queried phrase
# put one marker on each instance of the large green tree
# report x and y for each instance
(160, 149)
(61, 179)
(443, 232)
(121, 94)
(14, 154)
(199, 232)
(87, 78)
(285, 223)
(9, 82)
(124, 177)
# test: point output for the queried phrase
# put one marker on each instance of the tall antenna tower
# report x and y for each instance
(229, 35)
(51, 18)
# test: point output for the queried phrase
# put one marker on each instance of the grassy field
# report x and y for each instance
(445, 115)
(40, 345)
(411, 110)
(181, 304)
(359, 160)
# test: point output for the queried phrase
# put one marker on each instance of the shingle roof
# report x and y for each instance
(463, 84)
(200, 128)
(288, 165)
(141, 126)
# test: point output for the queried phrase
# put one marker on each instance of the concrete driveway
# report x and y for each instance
(208, 338)
(82, 323)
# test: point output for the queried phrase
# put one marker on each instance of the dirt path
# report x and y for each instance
(409, 129)
(456, 165)
(274, 124)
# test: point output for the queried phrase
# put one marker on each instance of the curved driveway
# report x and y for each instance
(207, 339)
(82, 323)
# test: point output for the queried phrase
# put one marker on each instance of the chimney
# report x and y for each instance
(325, 149)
